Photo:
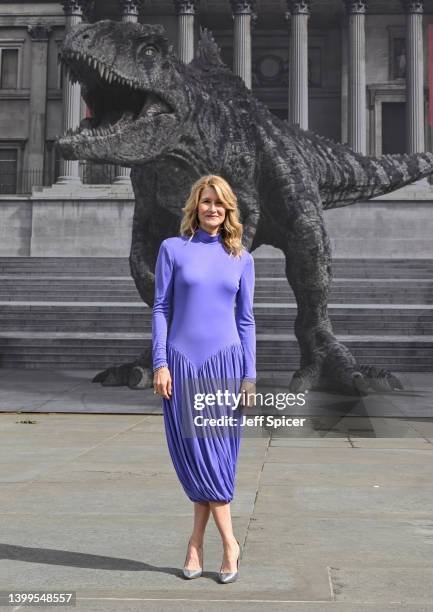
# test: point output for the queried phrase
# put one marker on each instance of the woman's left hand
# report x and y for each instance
(248, 394)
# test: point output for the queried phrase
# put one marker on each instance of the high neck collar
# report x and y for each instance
(204, 236)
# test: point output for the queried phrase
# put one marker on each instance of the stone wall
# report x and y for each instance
(101, 226)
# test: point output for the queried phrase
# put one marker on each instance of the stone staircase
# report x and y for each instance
(86, 313)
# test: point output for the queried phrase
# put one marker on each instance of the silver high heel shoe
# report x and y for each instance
(225, 577)
(189, 574)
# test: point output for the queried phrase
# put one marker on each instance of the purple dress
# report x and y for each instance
(207, 348)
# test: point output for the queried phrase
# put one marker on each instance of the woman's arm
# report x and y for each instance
(162, 305)
(245, 318)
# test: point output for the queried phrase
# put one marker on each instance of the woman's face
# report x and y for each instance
(211, 211)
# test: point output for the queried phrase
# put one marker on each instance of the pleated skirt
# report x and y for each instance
(204, 439)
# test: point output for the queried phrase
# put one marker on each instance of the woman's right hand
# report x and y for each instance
(162, 382)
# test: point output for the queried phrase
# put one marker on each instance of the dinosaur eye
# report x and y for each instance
(148, 50)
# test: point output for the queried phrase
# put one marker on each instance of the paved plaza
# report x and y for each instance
(338, 517)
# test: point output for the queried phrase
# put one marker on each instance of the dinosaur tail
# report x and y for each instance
(353, 177)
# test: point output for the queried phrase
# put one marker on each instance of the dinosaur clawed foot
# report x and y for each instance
(135, 375)
(380, 379)
(335, 369)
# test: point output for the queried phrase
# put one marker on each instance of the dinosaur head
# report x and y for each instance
(131, 82)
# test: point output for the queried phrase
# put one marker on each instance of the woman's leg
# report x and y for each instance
(201, 517)
(223, 520)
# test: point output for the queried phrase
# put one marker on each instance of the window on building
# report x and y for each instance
(8, 68)
(8, 170)
(59, 73)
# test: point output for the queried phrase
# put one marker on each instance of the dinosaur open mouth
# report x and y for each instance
(113, 101)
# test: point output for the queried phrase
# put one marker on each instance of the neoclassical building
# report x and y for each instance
(355, 71)
(352, 70)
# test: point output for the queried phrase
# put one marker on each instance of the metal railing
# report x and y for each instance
(23, 181)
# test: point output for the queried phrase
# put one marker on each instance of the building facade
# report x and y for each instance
(353, 70)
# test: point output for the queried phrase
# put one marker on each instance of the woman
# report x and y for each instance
(199, 278)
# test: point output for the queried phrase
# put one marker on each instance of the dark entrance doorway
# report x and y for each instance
(393, 127)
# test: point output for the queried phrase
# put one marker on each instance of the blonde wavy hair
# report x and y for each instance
(231, 229)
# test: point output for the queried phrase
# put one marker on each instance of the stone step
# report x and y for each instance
(375, 297)
(274, 352)
(43, 282)
(265, 266)
(261, 293)
(136, 317)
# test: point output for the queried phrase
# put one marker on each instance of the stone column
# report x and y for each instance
(129, 12)
(414, 76)
(243, 15)
(357, 135)
(344, 82)
(38, 103)
(299, 11)
(69, 169)
(185, 10)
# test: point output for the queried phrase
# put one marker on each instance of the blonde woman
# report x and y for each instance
(199, 278)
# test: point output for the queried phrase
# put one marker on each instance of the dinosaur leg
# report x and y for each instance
(323, 358)
(151, 223)
(137, 374)
(249, 207)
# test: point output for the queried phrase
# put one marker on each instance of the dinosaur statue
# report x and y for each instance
(172, 123)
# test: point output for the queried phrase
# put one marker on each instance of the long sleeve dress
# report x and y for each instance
(207, 348)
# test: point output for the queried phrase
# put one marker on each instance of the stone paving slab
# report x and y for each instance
(342, 541)
(352, 455)
(349, 584)
(70, 391)
(406, 443)
(330, 441)
(377, 475)
(361, 500)
(158, 603)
